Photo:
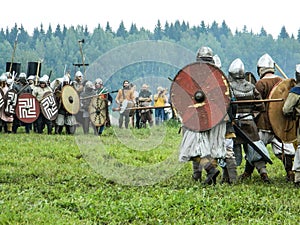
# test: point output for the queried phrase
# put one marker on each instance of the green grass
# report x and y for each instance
(60, 179)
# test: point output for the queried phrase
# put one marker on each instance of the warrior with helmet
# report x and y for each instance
(241, 89)
(64, 118)
(283, 151)
(204, 147)
(39, 92)
(78, 86)
(6, 121)
(291, 109)
(22, 87)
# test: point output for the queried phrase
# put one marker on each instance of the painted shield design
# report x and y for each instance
(11, 98)
(1, 99)
(200, 95)
(70, 99)
(283, 128)
(49, 106)
(98, 110)
(27, 108)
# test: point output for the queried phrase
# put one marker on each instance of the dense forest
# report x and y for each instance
(136, 53)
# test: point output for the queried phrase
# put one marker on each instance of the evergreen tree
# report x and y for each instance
(121, 32)
(158, 32)
(283, 34)
(108, 28)
(263, 32)
(133, 29)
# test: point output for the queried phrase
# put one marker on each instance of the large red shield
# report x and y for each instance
(49, 106)
(27, 108)
(283, 127)
(200, 94)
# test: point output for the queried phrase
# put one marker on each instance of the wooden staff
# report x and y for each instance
(14, 50)
(281, 71)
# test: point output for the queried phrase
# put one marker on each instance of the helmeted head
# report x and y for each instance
(31, 79)
(237, 69)
(22, 78)
(297, 73)
(89, 86)
(3, 79)
(78, 75)
(43, 81)
(265, 64)
(98, 82)
(66, 79)
(205, 54)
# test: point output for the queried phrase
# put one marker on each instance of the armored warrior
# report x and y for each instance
(244, 118)
(39, 92)
(145, 99)
(6, 121)
(283, 151)
(204, 147)
(291, 109)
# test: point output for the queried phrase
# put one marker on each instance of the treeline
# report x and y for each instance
(58, 48)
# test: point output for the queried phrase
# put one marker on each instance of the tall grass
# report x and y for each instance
(84, 179)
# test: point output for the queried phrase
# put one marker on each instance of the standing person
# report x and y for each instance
(283, 151)
(244, 118)
(145, 99)
(104, 95)
(6, 121)
(204, 147)
(64, 118)
(160, 99)
(78, 86)
(124, 98)
(21, 87)
(291, 109)
(136, 114)
(39, 92)
(85, 100)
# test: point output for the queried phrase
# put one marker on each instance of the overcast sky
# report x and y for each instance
(255, 14)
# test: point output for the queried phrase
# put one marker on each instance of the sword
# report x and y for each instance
(244, 136)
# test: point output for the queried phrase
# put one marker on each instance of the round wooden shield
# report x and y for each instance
(1, 99)
(10, 102)
(70, 99)
(27, 108)
(200, 94)
(97, 110)
(49, 106)
(283, 128)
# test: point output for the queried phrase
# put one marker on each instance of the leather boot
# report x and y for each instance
(212, 173)
(232, 171)
(288, 165)
(247, 172)
(225, 176)
(197, 171)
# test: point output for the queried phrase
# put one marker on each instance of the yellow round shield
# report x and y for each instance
(70, 99)
(98, 110)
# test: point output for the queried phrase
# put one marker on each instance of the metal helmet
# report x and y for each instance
(237, 69)
(89, 85)
(66, 78)
(43, 80)
(99, 81)
(3, 78)
(297, 73)
(22, 75)
(31, 77)
(265, 64)
(204, 53)
(217, 61)
(78, 74)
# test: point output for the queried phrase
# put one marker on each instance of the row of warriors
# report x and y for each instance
(42, 87)
(246, 130)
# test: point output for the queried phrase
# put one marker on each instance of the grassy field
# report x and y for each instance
(128, 177)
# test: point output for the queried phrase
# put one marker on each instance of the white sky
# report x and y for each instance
(255, 14)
